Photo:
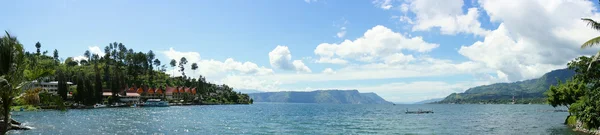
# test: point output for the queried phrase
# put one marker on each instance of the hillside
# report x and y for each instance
(429, 101)
(528, 91)
(320, 96)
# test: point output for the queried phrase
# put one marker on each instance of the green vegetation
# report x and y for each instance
(524, 92)
(11, 76)
(582, 94)
(320, 96)
(21, 74)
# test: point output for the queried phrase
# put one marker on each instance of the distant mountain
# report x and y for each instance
(429, 101)
(248, 91)
(320, 96)
(523, 91)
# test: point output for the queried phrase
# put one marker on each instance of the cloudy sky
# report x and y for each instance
(403, 50)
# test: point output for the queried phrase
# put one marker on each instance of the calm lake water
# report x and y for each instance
(272, 118)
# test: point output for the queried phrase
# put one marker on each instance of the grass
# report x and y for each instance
(25, 108)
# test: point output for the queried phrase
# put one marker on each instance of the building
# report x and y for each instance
(50, 87)
(134, 94)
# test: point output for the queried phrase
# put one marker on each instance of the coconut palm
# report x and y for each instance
(594, 41)
(11, 75)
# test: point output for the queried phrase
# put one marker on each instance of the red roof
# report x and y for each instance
(140, 91)
(150, 91)
(194, 91)
(171, 90)
(188, 90)
(159, 91)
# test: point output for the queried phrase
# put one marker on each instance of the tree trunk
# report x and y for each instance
(6, 102)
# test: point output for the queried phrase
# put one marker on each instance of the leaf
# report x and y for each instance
(591, 42)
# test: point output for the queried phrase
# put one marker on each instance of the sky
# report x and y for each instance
(403, 50)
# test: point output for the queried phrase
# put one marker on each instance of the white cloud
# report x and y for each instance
(331, 60)
(328, 71)
(383, 4)
(398, 58)
(213, 69)
(79, 58)
(342, 32)
(376, 43)
(446, 15)
(309, 1)
(521, 48)
(96, 50)
(281, 58)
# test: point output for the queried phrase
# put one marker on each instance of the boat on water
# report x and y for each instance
(155, 103)
(99, 106)
(418, 112)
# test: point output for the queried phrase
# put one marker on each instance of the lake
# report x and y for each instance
(280, 118)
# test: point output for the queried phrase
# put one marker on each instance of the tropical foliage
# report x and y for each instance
(118, 68)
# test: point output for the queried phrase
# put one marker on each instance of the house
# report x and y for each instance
(50, 87)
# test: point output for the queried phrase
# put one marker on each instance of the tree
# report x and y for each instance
(594, 41)
(565, 94)
(62, 84)
(11, 75)
(38, 46)
(97, 84)
(182, 63)
(87, 55)
(173, 63)
(70, 62)
(55, 56)
(194, 67)
(156, 63)
(150, 57)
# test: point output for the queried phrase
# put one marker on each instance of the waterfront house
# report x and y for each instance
(50, 87)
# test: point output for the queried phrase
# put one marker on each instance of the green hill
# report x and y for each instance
(319, 96)
(528, 91)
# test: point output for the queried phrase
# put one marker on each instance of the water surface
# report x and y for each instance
(274, 118)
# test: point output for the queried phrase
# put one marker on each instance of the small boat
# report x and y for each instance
(155, 103)
(99, 106)
(418, 112)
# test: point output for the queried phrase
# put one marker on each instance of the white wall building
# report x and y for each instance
(50, 87)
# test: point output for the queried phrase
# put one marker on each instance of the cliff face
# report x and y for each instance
(320, 96)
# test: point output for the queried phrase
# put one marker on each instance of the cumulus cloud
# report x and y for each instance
(214, 69)
(281, 58)
(96, 50)
(398, 58)
(376, 43)
(521, 48)
(328, 71)
(447, 15)
(79, 58)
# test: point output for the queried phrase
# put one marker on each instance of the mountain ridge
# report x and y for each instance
(320, 96)
(527, 91)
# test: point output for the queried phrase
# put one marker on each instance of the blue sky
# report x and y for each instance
(404, 50)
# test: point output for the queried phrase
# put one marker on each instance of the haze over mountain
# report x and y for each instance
(429, 101)
(248, 91)
(320, 96)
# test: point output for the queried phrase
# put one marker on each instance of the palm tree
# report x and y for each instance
(182, 63)
(194, 67)
(38, 45)
(11, 76)
(173, 63)
(594, 41)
